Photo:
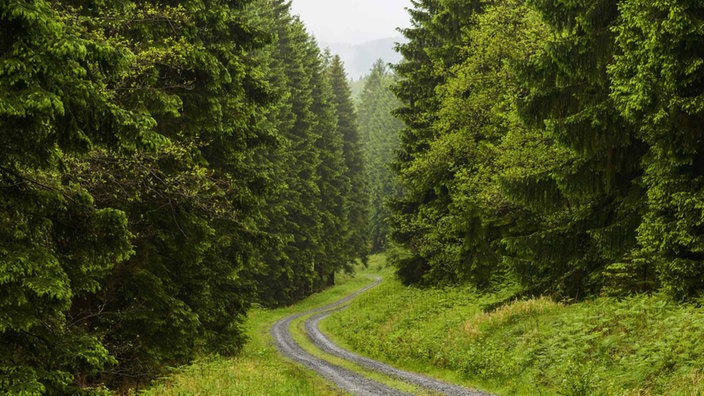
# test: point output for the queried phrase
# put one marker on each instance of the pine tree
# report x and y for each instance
(357, 240)
(433, 48)
(589, 202)
(658, 84)
(380, 135)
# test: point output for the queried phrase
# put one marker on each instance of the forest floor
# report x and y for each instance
(261, 369)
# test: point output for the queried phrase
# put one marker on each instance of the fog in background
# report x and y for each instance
(352, 21)
(360, 31)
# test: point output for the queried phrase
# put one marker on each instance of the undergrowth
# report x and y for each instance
(640, 345)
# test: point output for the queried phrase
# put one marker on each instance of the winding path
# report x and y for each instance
(345, 379)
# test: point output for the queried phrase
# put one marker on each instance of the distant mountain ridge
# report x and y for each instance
(359, 58)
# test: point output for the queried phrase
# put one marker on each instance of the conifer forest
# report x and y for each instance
(167, 165)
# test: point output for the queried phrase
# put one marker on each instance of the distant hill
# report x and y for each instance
(359, 58)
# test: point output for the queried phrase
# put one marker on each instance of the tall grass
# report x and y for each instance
(641, 345)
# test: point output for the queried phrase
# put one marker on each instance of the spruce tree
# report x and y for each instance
(379, 131)
(190, 195)
(289, 274)
(433, 48)
(333, 180)
(56, 243)
(589, 201)
(658, 84)
(357, 241)
(149, 150)
(477, 120)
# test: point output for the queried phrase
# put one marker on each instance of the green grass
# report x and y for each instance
(642, 345)
(259, 369)
(298, 334)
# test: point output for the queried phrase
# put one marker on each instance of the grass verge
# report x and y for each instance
(641, 345)
(259, 369)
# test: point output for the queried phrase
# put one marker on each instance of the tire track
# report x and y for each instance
(345, 379)
(348, 380)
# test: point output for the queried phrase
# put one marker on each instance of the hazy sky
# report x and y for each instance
(352, 21)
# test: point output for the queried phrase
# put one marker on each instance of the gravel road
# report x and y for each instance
(347, 380)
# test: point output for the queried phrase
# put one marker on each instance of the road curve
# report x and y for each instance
(348, 380)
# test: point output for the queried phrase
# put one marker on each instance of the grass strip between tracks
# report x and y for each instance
(299, 335)
(261, 370)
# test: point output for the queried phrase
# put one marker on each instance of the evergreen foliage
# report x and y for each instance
(433, 48)
(551, 143)
(290, 273)
(358, 196)
(477, 128)
(598, 201)
(163, 166)
(658, 84)
(57, 244)
(379, 131)
(333, 180)
(319, 213)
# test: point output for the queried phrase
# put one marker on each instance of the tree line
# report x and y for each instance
(556, 145)
(163, 165)
(379, 132)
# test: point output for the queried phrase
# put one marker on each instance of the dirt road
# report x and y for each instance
(345, 379)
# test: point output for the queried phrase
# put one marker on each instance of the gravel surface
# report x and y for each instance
(348, 380)
(432, 384)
